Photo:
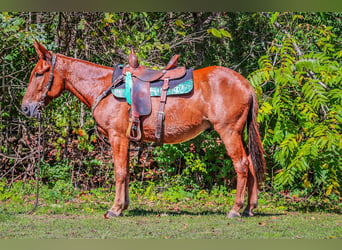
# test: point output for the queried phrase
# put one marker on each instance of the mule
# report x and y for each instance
(221, 99)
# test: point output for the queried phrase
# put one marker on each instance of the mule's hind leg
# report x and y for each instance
(252, 187)
(235, 149)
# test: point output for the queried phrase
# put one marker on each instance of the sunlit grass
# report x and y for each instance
(161, 215)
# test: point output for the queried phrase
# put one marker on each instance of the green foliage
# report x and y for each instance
(57, 174)
(176, 193)
(219, 33)
(60, 192)
(16, 191)
(300, 110)
(202, 162)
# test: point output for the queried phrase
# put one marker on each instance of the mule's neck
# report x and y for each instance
(84, 79)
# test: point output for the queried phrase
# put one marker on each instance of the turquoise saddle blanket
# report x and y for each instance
(179, 86)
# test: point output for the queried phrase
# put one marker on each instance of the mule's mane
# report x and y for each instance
(82, 61)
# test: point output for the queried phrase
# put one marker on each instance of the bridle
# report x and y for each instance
(41, 105)
(48, 86)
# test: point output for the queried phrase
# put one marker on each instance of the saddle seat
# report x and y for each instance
(170, 71)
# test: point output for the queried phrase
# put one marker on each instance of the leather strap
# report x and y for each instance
(105, 93)
(161, 114)
(50, 81)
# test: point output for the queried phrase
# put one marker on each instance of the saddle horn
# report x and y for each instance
(132, 59)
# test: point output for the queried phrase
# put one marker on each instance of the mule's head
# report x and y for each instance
(38, 83)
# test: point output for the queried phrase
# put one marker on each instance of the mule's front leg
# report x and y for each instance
(120, 147)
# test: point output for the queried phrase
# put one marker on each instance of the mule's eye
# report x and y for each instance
(38, 74)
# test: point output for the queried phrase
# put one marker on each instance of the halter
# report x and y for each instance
(49, 83)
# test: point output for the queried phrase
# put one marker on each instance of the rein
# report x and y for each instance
(38, 165)
(40, 109)
(105, 93)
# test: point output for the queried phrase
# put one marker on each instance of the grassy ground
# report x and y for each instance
(146, 219)
(167, 226)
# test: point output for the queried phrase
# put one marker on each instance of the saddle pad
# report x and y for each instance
(180, 86)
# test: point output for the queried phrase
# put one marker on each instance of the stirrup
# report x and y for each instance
(133, 131)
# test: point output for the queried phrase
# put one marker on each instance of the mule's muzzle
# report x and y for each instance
(31, 109)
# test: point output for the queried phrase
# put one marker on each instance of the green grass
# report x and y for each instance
(155, 216)
(153, 225)
(175, 213)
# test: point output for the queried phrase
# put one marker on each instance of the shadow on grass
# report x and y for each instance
(151, 212)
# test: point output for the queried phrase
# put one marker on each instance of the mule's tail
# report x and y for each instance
(255, 147)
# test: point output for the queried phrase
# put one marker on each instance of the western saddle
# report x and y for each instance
(142, 78)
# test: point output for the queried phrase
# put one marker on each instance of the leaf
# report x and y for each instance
(274, 17)
(297, 17)
(109, 18)
(266, 108)
(9, 57)
(180, 23)
(81, 24)
(181, 33)
(225, 33)
(5, 115)
(307, 183)
(215, 32)
(329, 189)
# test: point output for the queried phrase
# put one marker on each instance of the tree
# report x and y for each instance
(300, 78)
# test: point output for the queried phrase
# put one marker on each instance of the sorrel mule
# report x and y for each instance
(221, 99)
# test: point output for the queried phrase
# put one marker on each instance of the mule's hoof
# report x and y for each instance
(247, 214)
(233, 214)
(111, 214)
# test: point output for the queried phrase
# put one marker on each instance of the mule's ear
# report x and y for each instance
(42, 52)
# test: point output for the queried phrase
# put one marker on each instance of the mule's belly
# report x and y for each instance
(184, 120)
